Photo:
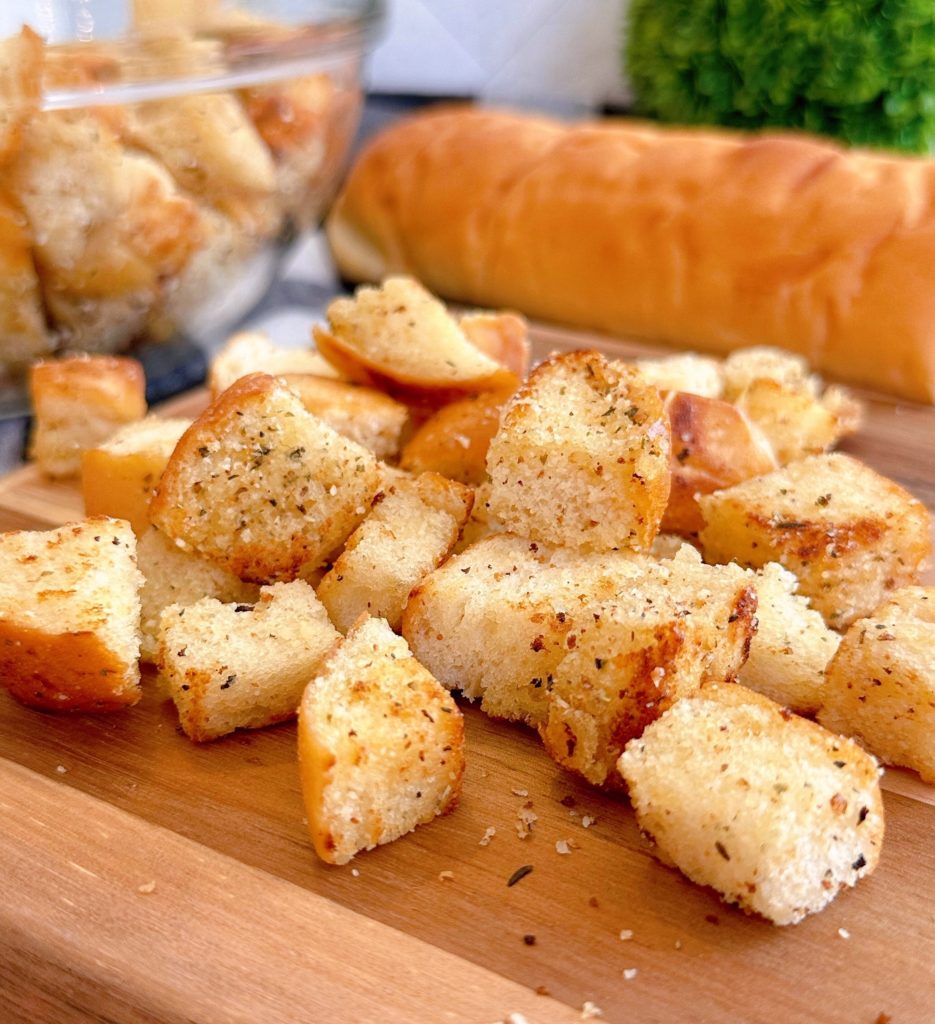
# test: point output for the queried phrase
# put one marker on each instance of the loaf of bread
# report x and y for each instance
(705, 239)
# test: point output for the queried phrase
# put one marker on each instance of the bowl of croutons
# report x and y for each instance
(155, 155)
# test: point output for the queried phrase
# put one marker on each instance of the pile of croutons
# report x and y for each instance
(656, 565)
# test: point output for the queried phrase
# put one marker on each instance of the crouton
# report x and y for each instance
(582, 456)
(847, 533)
(368, 417)
(381, 745)
(454, 441)
(261, 486)
(79, 402)
(24, 335)
(772, 811)
(881, 684)
(70, 616)
(119, 475)
(502, 336)
(659, 638)
(689, 373)
(792, 646)
(714, 445)
(174, 576)
(796, 422)
(242, 666)
(109, 226)
(402, 340)
(494, 621)
(253, 352)
(410, 530)
(21, 66)
(745, 366)
(211, 148)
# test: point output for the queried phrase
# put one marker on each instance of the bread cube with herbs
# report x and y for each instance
(70, 616)
(262, 487)
(381, 745)
(411, 528)
(242, 666)
(581, 458)
(774, 812)
(849, 534)
(880, 687)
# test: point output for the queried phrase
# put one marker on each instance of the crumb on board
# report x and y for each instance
(844, 933)
(525, 819)
(590, 1010)
(355, 872)
(146, 888)
(629, 973)
(61, 769)
(625, 934)
(489, 833)
(446, 876)
(562, 846)
(519, 792)
(529, 939)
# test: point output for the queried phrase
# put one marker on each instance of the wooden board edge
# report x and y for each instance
(151, 925)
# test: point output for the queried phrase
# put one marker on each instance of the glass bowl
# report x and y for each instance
(154, 156)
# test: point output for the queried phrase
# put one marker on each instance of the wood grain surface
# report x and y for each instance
(244, 924)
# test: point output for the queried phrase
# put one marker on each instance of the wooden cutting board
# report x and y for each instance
(148, 879)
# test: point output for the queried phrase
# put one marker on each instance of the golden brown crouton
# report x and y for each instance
(582, 456)
(772, 811)
(454, 441)
(746, 366)
(847, 533)
(253, 352)
(661, 636)
(118, 475)
(796, 422)
(174, 576)
(110, 227)
(242, 666)
(689, 373)
(261, 486)
(361, 414)
(881, 684)
(494, 621)
(502, 336)
(70, 616)
(714, 445)
(410, 530)
(792, 645)
(381, 745)
(79, 402)
(401, 339)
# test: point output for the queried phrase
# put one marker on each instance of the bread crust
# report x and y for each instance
(700, 238)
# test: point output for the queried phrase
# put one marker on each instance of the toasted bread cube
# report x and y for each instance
(368, 417)
(119, 475)
(502, 336)
(454, 441)
(240, 666)
(253, 352)
(847, 533)
(402, 340)
(772, 811)
(24, 335)
(412, 527)
(792, 646)
(796, 422)
(79, 402)
(261, 486)
(70, 616)
(689, 373)
(22, 59)
(746, 366)
(381, 745)
(174, 576)
(494, 621)
(881, 684)
(714, 445)
(658, 639)
(582, 456)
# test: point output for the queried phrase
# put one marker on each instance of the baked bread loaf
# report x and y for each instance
(70, 616)
(706, 239)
